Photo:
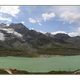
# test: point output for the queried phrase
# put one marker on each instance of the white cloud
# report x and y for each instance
(56, 32)
(70, 17)
(42, 32)
(34, 21)
(5, 11)
(39, 23)
(32, 29)
(66, 8)
(2, 37)
(5, 19)
(22, 22)
(72, 34)
(67, 13)
(43, 17)
(75, 33)
(48, 16)
(11, 10)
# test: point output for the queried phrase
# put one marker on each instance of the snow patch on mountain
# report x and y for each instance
(2, 37)
(17, 34)
(12, 31)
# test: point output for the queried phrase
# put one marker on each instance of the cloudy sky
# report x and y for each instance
(54, 19)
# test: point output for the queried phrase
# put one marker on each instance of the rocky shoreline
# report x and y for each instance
(15, 71)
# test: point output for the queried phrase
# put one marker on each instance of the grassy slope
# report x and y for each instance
(50, 49)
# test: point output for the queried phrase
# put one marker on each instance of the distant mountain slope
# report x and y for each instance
(18, 40)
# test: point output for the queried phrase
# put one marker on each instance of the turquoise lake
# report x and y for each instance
(55, 63)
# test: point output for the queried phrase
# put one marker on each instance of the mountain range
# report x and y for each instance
(17, 40)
